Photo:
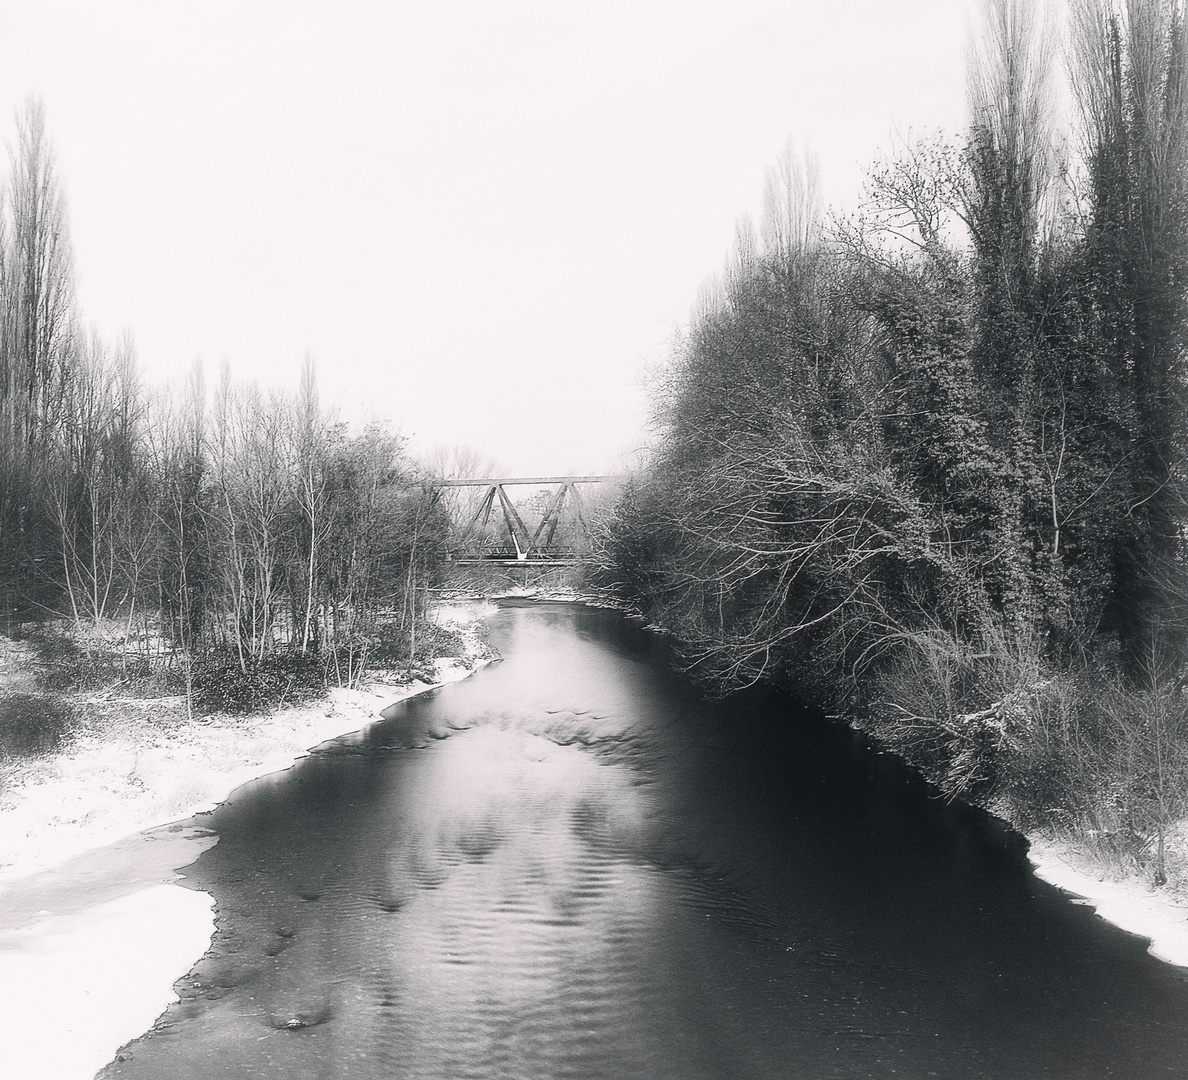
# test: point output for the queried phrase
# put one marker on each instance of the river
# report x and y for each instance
(570, 865)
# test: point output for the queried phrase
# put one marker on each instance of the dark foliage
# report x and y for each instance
(220, 684)
(32, 724)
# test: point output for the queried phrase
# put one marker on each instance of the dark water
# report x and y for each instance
(568, 866)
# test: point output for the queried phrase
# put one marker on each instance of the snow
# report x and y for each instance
(1129, 902)
(75, 988)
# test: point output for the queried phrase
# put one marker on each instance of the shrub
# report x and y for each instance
(392, 645)
(985, 721)
(32, 723)
(434, 641)
(69, 666)
(66, 666)
(221, 685)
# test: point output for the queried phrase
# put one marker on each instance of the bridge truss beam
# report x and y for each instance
(537, 547)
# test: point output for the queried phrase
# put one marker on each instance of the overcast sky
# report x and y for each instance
(484, 218)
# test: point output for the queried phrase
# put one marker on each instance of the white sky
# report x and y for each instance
(484, 218)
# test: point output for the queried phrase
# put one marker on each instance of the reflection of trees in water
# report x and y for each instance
(528, 935)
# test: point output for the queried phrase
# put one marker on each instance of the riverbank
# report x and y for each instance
(145, 763)
(94, 930)
(1129, 901)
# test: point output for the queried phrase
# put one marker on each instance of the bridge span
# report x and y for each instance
(522, 546)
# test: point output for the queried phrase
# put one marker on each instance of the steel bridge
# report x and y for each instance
(518, 545)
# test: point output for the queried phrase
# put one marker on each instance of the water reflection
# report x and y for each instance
(568, 866)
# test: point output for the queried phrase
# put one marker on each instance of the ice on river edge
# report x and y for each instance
(75, 986)
(102, 789)
(1129, 903)
(80, 986)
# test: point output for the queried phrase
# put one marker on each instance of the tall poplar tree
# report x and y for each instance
(37, 332)
(1130, 74)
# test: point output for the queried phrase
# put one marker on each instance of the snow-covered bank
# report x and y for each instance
(93, 931)
(1129, 902)
(146, 770)
(104, 787)
(75, 988)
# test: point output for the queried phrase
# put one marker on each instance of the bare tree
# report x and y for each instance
(178, 462)
(792, 209)
(39, 280)
(310, 458)
(36, 337)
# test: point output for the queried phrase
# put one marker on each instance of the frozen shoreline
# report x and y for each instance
(94, 930)
(1129, 902)
(103, 788)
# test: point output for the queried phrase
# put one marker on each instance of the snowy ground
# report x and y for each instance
(93, 929)
(141, 774)
(1129, 901)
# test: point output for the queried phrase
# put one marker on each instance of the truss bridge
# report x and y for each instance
(495, 532)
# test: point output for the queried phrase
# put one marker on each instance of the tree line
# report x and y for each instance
(925, 463)
(237, 534)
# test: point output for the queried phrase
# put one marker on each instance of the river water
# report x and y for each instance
(571, 866)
